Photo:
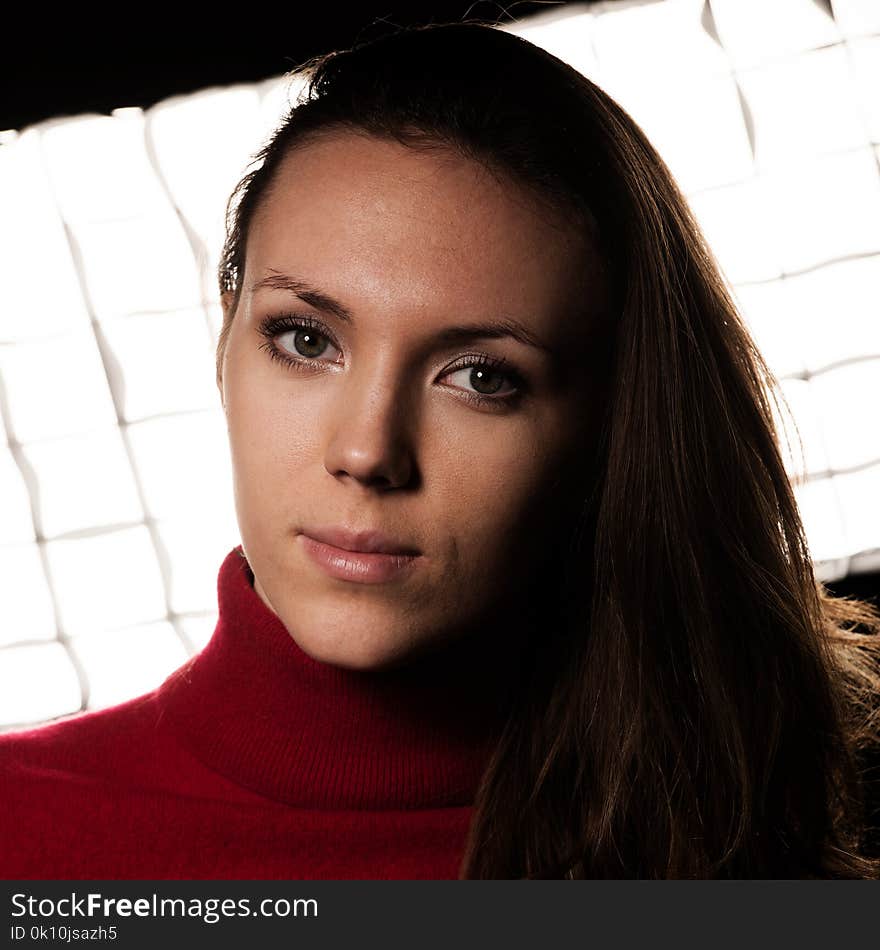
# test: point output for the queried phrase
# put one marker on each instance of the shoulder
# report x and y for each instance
(66, 784)
(89, 747)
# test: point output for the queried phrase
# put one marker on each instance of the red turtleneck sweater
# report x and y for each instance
(253, 760)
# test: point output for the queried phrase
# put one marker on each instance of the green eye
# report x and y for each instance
(309, 343)
(486, 378)
(310, 339)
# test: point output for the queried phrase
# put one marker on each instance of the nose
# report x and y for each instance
(369, 439)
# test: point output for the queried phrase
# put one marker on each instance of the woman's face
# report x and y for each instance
(400, 411)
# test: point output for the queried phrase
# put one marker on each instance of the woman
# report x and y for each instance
(523, 589)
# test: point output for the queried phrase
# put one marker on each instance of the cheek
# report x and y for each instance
(271, 437)
(498, 491)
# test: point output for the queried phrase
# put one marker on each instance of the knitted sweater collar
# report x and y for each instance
(254, 707)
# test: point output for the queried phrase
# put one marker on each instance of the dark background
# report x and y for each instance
(863, 586)
(56, 63)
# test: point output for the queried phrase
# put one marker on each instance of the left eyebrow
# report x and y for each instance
(491, 330)
(448, 336)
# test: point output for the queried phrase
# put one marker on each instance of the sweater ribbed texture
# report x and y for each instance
(253, 760)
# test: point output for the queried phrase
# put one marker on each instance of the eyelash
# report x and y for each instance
(272, 327)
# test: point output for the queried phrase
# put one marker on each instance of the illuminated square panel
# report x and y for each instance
(16, 521)
(865, 63)
(656, 39)
(754, 31)
(277, 97)
(121, 664)
(196, 548)
(807, 105)
(844, 296)
(697, 127)
(215, 322)
(736, 222)
(825, 208)
(37, 682)
(568, 38)
(857, 17)
(820, 510)
(99, 168)
(164, 363)
(198, 629)
(82, 482)
(183, 464)
(861, 515)
(138, 264)
(209, 264)
(35, 306)
(198, 158)
(26, 611)
(56, 387)
(105, 581)
(848, 398)
(42, 295)
(773, 324)
(799, 428)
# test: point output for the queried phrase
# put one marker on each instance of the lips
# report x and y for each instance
(365, 542)
(363, 557)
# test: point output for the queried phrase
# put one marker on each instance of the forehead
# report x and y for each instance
(372, 219)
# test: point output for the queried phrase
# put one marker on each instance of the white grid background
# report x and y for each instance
(116, 503)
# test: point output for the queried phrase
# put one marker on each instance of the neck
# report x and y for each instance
(259, 710)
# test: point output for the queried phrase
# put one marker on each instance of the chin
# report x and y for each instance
(344, 645)
(366, 658)
(337, 643)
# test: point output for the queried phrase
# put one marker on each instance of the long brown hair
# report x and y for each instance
(702, 706)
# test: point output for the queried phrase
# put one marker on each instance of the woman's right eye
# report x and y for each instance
(308, 340)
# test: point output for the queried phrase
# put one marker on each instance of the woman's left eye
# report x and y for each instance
(486, 380)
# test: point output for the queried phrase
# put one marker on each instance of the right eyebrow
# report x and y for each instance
(316, 299)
